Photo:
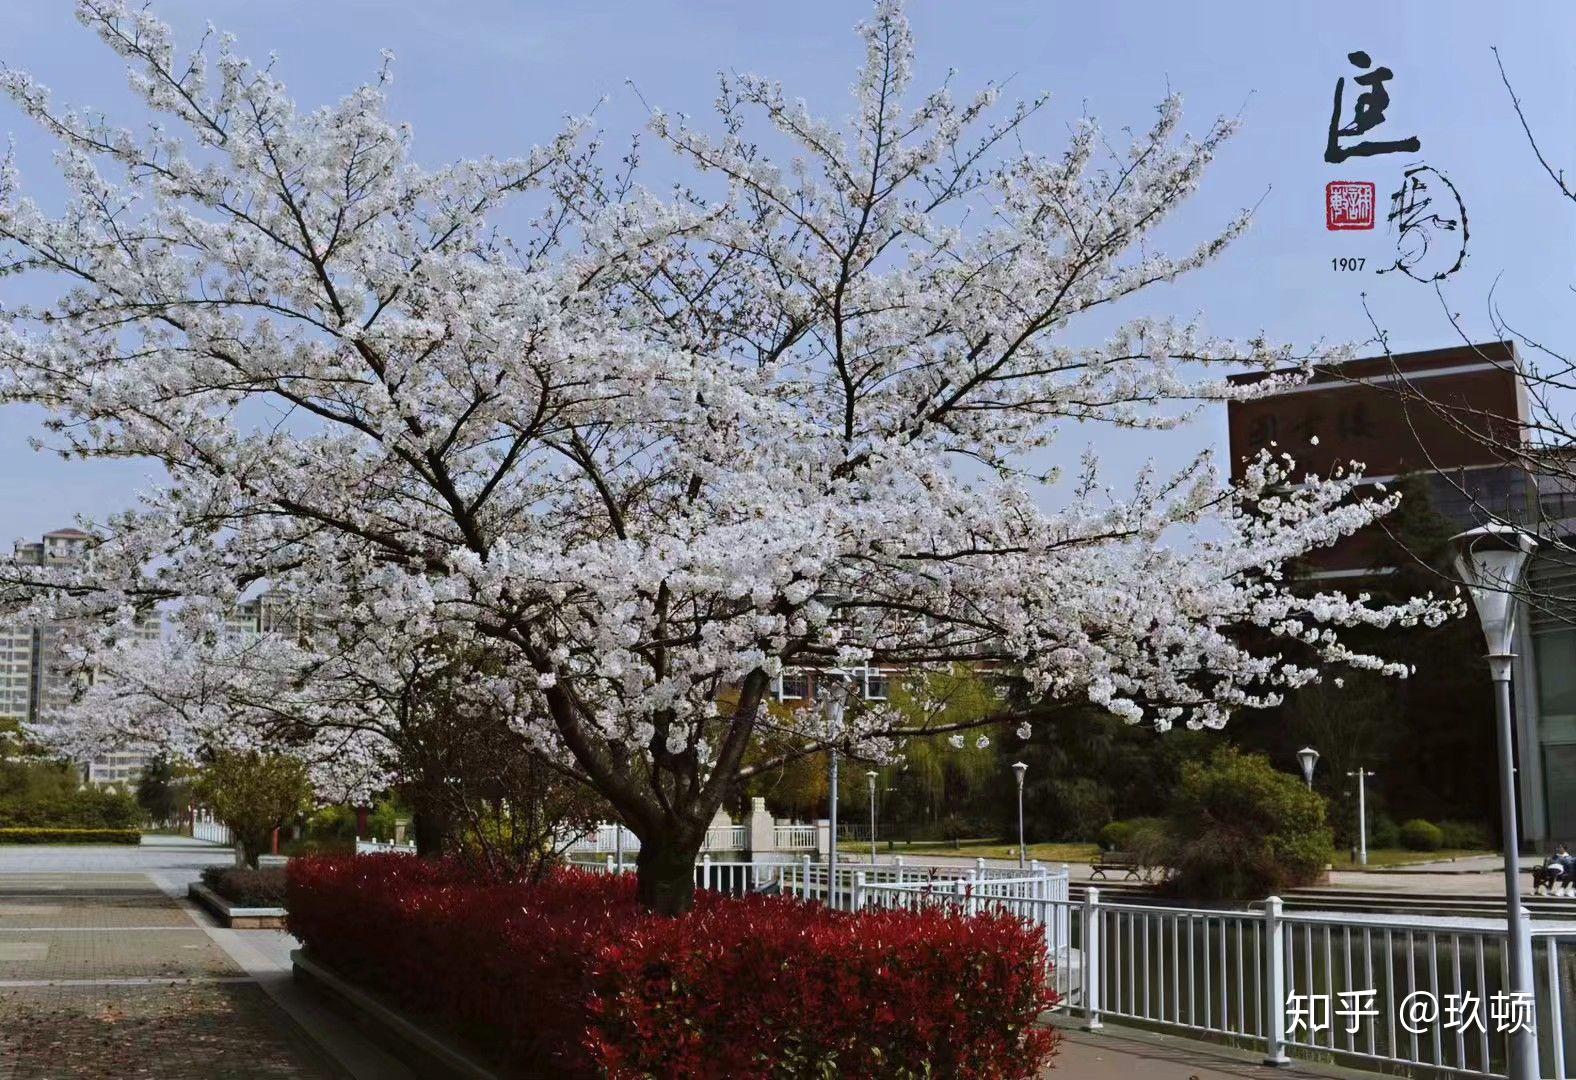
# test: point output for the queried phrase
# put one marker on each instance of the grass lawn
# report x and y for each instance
(1379, 858)
(977, 849)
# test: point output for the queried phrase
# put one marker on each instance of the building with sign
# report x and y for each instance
(1447, 417)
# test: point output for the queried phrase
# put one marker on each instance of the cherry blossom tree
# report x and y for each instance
(364, 705)
(653, 445)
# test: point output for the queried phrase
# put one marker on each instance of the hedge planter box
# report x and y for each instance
(567, 976)
(233, 915)
(45, 835)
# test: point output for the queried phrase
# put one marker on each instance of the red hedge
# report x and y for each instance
(570, 977)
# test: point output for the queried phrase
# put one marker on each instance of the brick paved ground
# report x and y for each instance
(179, 1031)
(105, 975)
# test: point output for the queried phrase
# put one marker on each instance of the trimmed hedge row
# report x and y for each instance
(568, 977)
(85, 808)
(245, 887)
(70, 836)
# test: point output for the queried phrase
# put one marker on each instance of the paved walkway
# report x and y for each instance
(1116, 1053)
(107, 971)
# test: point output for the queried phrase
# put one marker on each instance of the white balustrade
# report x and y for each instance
(215, 832)
(384, 847)
(795, 837)
(603, 840)
(1316, 984)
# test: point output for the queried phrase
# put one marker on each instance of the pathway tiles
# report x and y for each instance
(96, 927)
(43, 911)
(185, 1031)
(104, 976)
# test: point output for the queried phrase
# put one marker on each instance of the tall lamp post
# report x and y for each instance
(1490, 561)
(1020, 768)
(870, 775)
(1363, 776)
(1308, 757)
(833, 707)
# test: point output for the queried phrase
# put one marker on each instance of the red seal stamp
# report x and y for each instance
(1348, 204)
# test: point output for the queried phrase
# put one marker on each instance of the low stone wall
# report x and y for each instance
(234, 916)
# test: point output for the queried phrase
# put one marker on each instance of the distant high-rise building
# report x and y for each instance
(34, 676)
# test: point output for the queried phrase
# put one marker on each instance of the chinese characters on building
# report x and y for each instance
(1348, 423)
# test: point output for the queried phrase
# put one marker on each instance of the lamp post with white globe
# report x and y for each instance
(1308, 757)
(1020, 768)
(870, 775)
(1490, 561)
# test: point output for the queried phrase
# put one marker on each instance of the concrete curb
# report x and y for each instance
(437, 1058)
(233, 916)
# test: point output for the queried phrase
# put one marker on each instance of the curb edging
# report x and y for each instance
(437, 1057)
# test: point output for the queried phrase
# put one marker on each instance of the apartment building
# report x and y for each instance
(33, 674)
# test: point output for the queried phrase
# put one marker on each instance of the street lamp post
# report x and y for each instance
(1020, 768)
(833, 706)
(1308, 757)
(870, 775)
(1362, 775)
(1490, 561)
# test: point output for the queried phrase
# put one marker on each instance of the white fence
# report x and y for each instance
(603, 840)
(211, 831)
(384, 847)
(807, 879)
(1414, 991)
(795, 837)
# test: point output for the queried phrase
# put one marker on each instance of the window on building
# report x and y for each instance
(793, 686)
(878, 684)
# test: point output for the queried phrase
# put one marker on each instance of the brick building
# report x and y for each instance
(1438, 416)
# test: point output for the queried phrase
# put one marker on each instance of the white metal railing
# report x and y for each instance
(384, 847)
(726, 838)
(212, 831)
(1310, 983)
(603, 840)
(795, 837)
(807, 878)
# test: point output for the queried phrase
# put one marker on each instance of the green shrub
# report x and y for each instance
(1141, 835)
(332, 823)
(255, 793)
(1383, 832)
(1116, 836)
(84, 808)
(1245, 830)
(332, 845)
(386, 813)
(1464, 836)
(1078, 808)
(69, 836)
(1152, 841)
(1420, 835)
(246, 887)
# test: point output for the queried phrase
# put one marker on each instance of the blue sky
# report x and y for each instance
(490, 76)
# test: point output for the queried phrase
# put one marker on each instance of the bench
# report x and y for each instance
(1114, 860)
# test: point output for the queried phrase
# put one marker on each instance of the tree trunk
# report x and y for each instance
(665, 874)
(433, 828)
(433, 822)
